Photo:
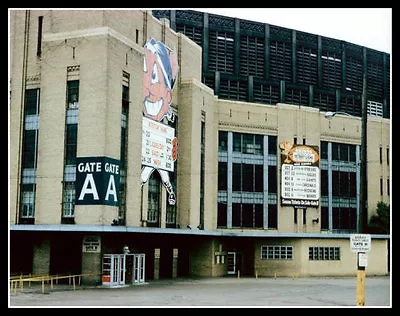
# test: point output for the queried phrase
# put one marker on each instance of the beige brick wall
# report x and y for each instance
(104, 44)
(300, 265)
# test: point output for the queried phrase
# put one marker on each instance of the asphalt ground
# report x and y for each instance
(213, 292)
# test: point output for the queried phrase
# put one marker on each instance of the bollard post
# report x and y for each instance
(360, 290)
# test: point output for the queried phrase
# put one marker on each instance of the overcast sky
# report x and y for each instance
(369, 27)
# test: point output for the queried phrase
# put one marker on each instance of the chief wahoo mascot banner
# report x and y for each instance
(159, 141)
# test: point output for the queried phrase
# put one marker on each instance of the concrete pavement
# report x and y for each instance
(215, 292)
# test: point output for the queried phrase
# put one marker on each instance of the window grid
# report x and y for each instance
(276, 252)
(324, 253)
(69, 199)
(153, 200)
(28, 203)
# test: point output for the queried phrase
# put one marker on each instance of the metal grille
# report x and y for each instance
(325, 101)
(252, 56)
(194, 33)
(375, 80)
(307, 64)
(161, 14)
(281, 60)
(296, 96)
(331, 70)
(221, 52)
(189, 15)
(351, 104)
(233, 89)
(265, 93)
(354, 74)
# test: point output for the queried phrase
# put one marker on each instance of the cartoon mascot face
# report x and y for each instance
(160, 72)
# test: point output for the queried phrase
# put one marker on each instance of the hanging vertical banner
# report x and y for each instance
(159, 144)
(97, 181)
(300, 175)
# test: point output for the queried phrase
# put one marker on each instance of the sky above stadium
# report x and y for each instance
(369, 27)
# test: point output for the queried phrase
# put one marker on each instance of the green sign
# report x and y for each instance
(97, 181)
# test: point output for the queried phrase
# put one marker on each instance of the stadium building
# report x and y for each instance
(163, 144)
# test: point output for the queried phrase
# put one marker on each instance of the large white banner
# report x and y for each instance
(158, 145)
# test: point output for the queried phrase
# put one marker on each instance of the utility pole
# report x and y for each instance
(363, 215)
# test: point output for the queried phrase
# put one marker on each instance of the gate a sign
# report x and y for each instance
(97, 181)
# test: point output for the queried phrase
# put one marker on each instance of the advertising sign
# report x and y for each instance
(158, 145)
(300, 175)
(97, 181)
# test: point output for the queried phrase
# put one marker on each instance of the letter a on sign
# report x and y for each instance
(111, 189)
(86, 190)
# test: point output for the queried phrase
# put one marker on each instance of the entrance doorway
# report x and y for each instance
(122, 269)
(234, 262)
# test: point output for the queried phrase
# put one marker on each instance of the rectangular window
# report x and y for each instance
(123, 149)
(29, 149)
(323, 253)
(153, 200)
(71, 143)
(237, 177)
(222, 176)
(237, 142)
(72, 94)
(374, 108)
(276, 252)
(69, 199)
(272, 145)
(272, 179)
(387, 156)
(222, 216)
(222, 141)
(28, 201)
(272, 216)
(39, 40)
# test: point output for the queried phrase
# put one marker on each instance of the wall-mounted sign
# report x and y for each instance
(360, 242)
(300, 175)
(97, 181)
(91, 244)
(158, 145)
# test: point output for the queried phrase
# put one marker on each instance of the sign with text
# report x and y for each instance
(300, 175)
(360, 242)
(158, 145)
(97, 181)
(91, 244)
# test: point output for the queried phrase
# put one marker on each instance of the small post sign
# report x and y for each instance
(360, 242)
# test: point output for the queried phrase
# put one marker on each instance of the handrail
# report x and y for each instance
(21, 279)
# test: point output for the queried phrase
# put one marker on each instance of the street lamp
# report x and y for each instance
(329, 114)
(363, 211)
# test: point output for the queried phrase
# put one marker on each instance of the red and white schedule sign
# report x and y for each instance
(158, 145)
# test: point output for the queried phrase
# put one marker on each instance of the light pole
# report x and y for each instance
(363, 212)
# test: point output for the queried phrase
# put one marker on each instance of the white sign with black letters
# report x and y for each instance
(360, 242)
